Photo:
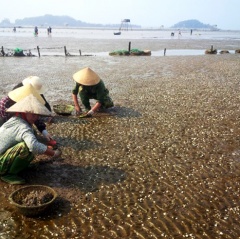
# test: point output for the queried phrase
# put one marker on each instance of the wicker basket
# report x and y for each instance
(63, 109)
(16, 198)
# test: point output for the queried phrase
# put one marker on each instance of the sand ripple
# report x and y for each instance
(165, 166)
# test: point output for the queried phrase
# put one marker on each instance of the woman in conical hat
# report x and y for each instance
(15, 96)
(21, 92)
(36, 82)
(38, 85)
(19, 144)
(90, 86)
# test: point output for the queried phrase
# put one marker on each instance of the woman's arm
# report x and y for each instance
(76, 104)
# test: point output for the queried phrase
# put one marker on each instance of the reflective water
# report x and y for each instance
(86, 41)
(130, 34)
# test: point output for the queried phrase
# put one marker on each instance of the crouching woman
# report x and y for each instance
(19, 144)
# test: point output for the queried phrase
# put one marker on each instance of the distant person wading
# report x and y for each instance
(36, 31)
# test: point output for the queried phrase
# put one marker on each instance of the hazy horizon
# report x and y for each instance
(146, 13)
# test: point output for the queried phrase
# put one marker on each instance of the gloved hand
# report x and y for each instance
(46, 135)
(57, 153)
(85, 115)
(90, 112)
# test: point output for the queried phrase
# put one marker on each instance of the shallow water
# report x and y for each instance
(125, 34)
(87, 41)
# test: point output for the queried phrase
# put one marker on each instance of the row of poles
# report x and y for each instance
(68, 54)
(39, 54)
(38, 50)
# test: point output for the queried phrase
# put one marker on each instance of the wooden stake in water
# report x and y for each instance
(2, 51)
(65, 50)
(38, 51)
(129, 46)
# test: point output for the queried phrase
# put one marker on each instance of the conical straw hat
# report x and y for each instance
(23, 91)
(36, 82)
(86, 76)
(30, 104)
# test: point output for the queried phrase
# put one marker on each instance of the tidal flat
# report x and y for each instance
(165, 165)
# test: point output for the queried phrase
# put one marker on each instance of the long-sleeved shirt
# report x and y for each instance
(17, 130)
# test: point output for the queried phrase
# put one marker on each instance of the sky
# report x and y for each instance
(146, 13)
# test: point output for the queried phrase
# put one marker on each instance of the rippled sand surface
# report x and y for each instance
(165, 165)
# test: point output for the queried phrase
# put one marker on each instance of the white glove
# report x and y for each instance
(57, 153)
(46, 135)
(90, 112)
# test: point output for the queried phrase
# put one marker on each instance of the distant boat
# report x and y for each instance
(117, 33)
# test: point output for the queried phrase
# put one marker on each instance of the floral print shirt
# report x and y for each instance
(5, 103)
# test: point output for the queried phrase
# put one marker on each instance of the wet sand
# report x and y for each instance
(165, 166)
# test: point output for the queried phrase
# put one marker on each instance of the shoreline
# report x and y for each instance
(102, 47)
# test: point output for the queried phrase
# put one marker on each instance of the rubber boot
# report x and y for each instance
(18, 165)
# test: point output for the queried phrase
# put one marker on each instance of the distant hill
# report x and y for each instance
(194, 24)
(57, 21)
(63, 21)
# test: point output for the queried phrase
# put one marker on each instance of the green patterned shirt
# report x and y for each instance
(98, 92)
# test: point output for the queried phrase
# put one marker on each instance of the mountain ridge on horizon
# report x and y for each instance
(58, 21)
